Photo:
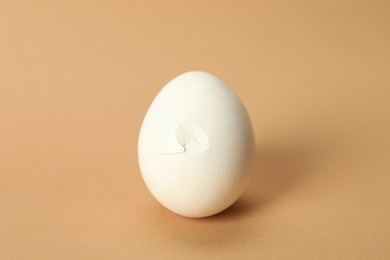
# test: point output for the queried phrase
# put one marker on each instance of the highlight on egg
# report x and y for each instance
(196, 145)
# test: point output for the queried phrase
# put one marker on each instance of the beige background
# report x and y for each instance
(76, 78)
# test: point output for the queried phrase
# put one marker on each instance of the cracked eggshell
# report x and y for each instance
(195, 145)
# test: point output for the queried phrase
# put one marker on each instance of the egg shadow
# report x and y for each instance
(275, 171)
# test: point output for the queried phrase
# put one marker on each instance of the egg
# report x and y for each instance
(196, 145)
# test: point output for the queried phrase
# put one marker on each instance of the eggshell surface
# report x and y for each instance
(195, 145)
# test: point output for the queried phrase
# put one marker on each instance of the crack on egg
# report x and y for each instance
(189, 138)
(192, 138)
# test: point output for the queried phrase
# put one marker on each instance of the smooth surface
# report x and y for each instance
(78, 76)
(196, 145)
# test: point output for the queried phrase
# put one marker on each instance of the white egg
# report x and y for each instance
(195, 145)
